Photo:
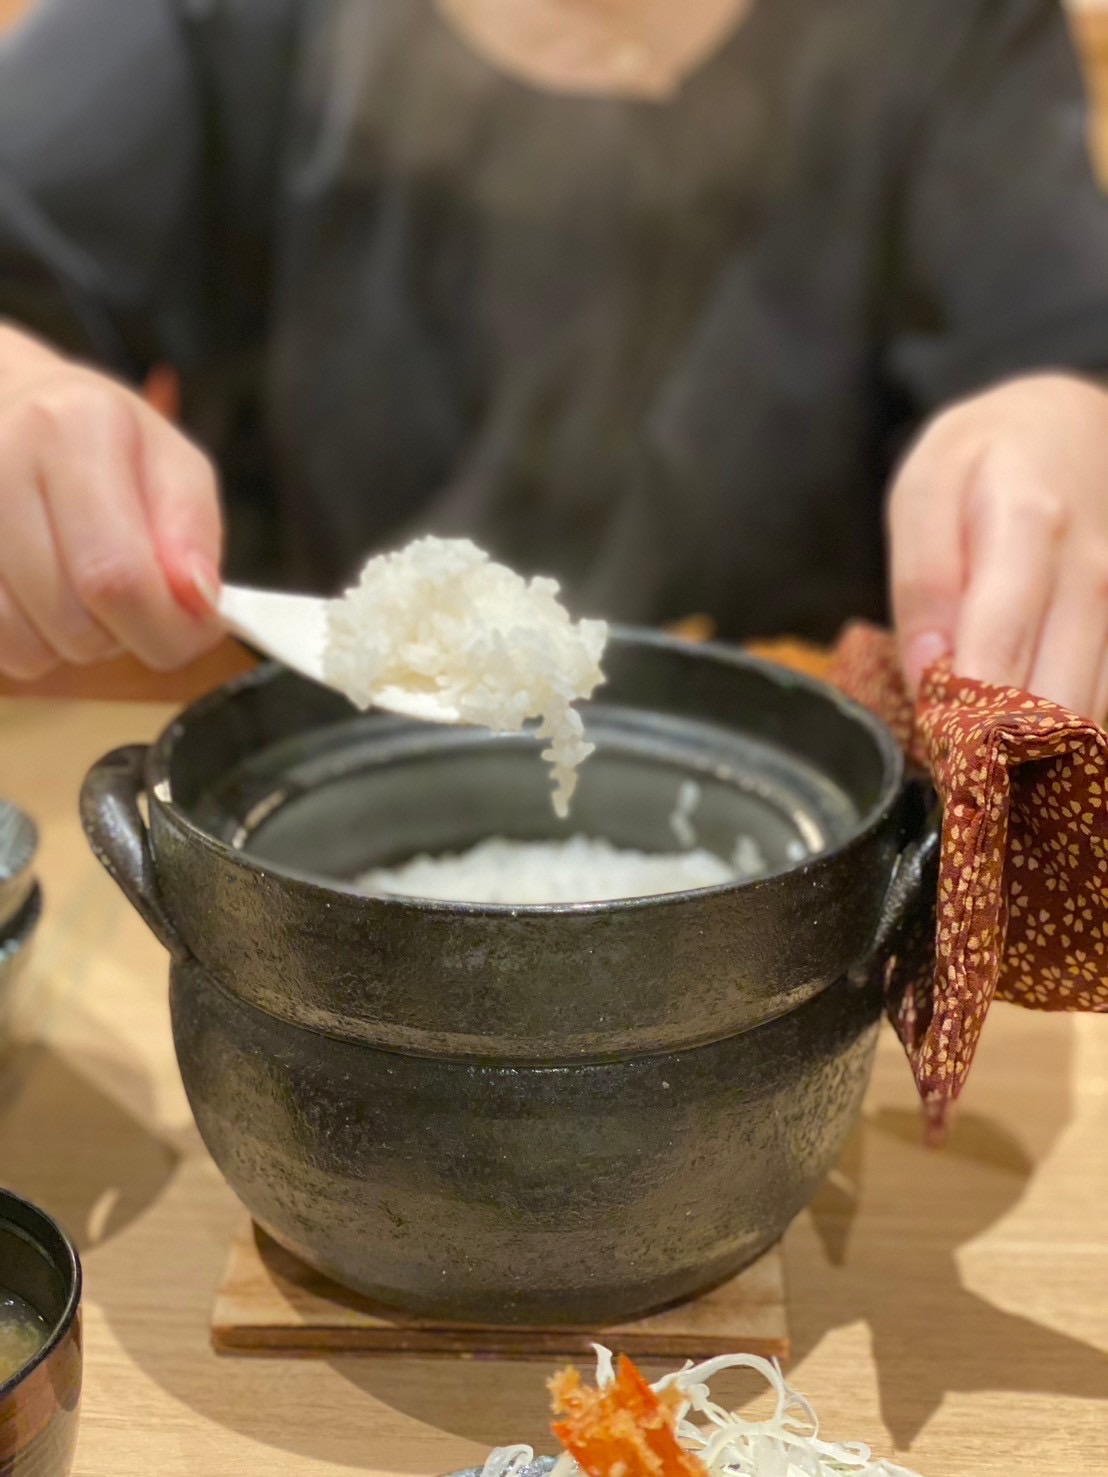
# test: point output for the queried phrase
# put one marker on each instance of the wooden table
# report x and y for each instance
(953, 1307)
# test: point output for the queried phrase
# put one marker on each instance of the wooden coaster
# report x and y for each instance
(270, 1303)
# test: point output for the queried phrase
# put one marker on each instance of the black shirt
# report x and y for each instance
(668, 352)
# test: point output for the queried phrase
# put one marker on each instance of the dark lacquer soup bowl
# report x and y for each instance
(39, 1400)
(558, 1114)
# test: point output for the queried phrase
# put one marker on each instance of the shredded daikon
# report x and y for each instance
(787, 1444)
(441, 618)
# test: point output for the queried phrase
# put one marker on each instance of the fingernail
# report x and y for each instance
(194, 581)
(922, 652)
(205, 579)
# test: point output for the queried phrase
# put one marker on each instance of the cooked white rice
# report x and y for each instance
(582, 869)
(689, 795)
(440, 617)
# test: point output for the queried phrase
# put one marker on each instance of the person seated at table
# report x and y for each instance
(679, 303)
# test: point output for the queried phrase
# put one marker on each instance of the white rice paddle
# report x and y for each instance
(292, 629)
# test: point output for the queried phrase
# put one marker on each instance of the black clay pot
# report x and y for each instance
(563, 1114)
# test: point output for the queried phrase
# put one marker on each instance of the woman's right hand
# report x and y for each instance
(110, 527)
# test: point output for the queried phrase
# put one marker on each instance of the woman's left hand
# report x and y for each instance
(999, 542)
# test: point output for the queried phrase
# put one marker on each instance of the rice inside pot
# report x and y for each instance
(581, 869)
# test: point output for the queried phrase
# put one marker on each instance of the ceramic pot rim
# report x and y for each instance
(159, 787)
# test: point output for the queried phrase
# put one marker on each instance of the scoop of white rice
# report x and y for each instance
(582, 869)
(440, 617)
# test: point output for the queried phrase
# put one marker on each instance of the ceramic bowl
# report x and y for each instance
(39, 1404)
(18, 844)
(538, 1468)
(14, 951)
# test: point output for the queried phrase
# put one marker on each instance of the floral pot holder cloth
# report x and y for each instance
(1021, 906)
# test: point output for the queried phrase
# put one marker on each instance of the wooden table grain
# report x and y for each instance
(951, 1308)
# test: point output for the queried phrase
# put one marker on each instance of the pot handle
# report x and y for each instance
(909, 901)
(120, 840)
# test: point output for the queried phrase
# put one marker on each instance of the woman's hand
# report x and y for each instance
(999, 534)
(110, 527)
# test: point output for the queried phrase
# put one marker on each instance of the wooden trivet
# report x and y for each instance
(270, 1303)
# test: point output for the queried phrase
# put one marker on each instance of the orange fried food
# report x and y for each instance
(625, 1430)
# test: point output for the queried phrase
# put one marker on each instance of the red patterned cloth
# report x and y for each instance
(1022, 906)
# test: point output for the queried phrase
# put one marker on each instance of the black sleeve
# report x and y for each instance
(136, 144)
(1002, 263)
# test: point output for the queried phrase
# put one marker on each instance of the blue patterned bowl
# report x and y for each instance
(537, 1468)
(18, 844)
(14, 949)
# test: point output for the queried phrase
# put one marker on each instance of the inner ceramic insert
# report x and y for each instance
(579, 869)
